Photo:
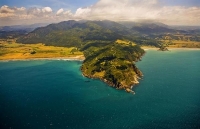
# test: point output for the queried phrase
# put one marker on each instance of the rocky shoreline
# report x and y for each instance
(163, 49)
(118, 85)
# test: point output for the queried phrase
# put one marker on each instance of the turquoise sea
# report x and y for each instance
(53, 94)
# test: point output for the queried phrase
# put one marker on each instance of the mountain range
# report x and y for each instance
(78, 33)
(27, 28)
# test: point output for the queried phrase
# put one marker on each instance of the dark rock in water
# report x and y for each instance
(163, 49)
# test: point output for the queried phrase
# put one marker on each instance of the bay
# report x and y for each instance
(54, 94)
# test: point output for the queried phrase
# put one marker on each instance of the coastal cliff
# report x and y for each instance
(114, 64)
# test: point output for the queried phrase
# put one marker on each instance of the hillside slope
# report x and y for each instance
(71, 33)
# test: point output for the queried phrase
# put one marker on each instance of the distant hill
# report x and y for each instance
(27, 28)
(73, 33)
(16, 31)
(130, 24)
(12, 34)
(187, 28)
(80, 33)
(152, 28)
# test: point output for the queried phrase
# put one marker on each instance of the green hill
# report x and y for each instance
(71, 34)
(79, 33)
(113, 64)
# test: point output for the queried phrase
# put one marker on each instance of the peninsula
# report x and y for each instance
(114, 64)
(109, 50)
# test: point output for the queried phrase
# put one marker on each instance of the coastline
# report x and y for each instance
(81, 57)
(70, 58)
(169, 48)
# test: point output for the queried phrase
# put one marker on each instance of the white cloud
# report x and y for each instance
(117, 10)
(6, 9)
(120, 10)
(135, 10)
(34, 11)
(179, 15)
(20, 9)
(68, 13)
(46, 10)
(21, 15)
(82, 13)
(60, 11)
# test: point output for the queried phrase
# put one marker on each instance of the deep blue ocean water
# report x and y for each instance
(53, 94)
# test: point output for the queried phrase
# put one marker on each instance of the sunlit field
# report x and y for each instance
(9, 49)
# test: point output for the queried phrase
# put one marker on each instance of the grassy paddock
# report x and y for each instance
(182, 44)
(12, 50)
(124, 42)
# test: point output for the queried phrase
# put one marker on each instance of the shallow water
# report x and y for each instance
(54, 94)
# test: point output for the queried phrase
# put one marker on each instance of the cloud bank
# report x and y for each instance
(116, 10)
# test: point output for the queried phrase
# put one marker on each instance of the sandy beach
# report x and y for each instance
(76, 57)
(169, 48)
(79, 58)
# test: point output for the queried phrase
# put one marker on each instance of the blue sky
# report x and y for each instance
(81, 3)
(181, 2)
(54, 4)
(74, 4)
(171, 12)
